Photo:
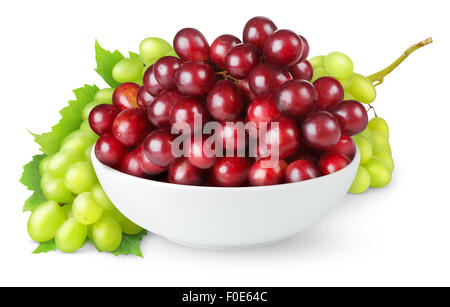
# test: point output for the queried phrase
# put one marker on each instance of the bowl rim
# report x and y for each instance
(356, 159)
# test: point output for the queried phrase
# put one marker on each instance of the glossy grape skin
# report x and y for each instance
(301, 170)
(319, 73)
(321, 130)
(220, 47)
(379, 124)
(144, 98)
(231, 171)
(159, 109)
(109, 150)
(257, 30)
(338, 65)
(317, 61)
(261, 176)
(129, 227)
(361, 182)
(199, 155)
(153, 48)
(107, 234)
(380, 176)
(241, 59)
(352, 117)
(195, 78)
(130, 164)
(102, 117)
(285, 137)
(329, 93)
(85, 210)
(78, 141)
(88, 108)
(100, 198)
(296, 98)
(263, 79)
(45, 220)
(147, 166)
(55, 189)
(131, 126)
(380, 143)
(263, 109)
(165, 69)
(70, 236)
(127, 70)
(332, 163)
(225, 102)
(283, 48)
(245, 89)
(104, 95)
(80, 177)
(345, 146)
(302, 70)
(387, 159)
(158, 147)
(150, 84)
(182, 172)
(232, 139)
(191, 45)
(185, 111)
(61, 161)
(362, 89)
(305, 53)
(125, 96)
(365, 148)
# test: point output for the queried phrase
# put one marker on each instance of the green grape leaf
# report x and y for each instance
(32, 180)
(133, 55)
(105, 62)
(45, 247)
(70, 121)
(130, 244)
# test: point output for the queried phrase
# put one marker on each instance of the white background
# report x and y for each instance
(398, 235)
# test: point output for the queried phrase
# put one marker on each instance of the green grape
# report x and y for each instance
(107, 234)
(338, 65)
(129, 227)
(127, 70)
(87, 154)
(367, 134)
(43, 165)
(348, 96)
(55, 189)
(114, 214)
(380, 143)
(85, 210)
(345, 82)
(45, 221)
(88, 108)
(104, 95)
(78, 141)
(61, 161)
(68, 210)
(361, 181)
(87, 128)
(153, 48)
(317, 62)
(70, 236)
(362, 89)
(80, 177)
(172, 53)
(89, 231)
(100, 197)
(380, 175)
(319, 73)
(387, 159)
(365, 148)
(378, 124)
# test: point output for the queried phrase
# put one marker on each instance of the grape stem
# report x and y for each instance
(373, 109)
(378, 78)
(225, 75)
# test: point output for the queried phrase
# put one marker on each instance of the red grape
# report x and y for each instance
(195, 78)
(263, 79)
(185, 111)
(301, 170)
(150, 84)
(125, 96)
(102, 117)
(305, 48)
(259, 175)
(321, 130)
(148, 166)
(233, 140)
(241, 59)
(225, 101)
(144, 98)
(329, 92)
(345, 146)
(220, 47)
(231, 171)
(283, 76)
(283, 48)
(109, 150)
(130, 164)
(352, 117)
(159, 110)
(182, 172)
(245, 89)
(296, 98)
(158, 147)
(285, 137)
(165, 69)
(199, 154)
(257, 30)
(191, 45)
(131, 126)
(332, 163)
(262, 109)
(302, 70)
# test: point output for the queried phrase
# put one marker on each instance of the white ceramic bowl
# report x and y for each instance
(223, 218)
